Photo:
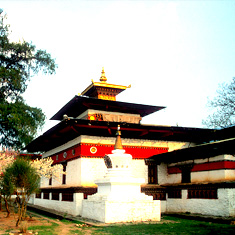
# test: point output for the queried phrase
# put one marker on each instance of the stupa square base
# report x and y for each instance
(113, 211)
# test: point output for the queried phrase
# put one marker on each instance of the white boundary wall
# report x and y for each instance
(72, 208)
(223, 206)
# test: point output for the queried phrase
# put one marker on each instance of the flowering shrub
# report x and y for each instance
(7, 156)
(45, 168)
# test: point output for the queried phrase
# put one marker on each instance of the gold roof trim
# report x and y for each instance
(109, 85)
(103, 83)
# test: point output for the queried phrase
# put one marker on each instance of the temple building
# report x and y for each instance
(187, 169)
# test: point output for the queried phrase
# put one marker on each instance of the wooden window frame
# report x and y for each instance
(64, 175)
(152, 174)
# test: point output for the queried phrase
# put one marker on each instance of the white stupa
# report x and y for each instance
(119, 197)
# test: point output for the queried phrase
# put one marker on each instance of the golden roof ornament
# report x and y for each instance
(102, 89)
(118, 143)
(103, 77)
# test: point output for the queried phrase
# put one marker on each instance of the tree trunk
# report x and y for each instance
(20, 214)
(22, 206)
(7, 207)
(24, 211)
(18, 201)
(0, 202)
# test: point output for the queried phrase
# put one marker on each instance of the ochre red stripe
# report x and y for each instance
(84, 150)
(209, 166)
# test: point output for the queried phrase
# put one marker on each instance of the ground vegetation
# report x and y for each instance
(23, 181)
(44, 225)
(19, 179)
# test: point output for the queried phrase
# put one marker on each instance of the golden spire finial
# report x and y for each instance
(118, 143)
(103, 78)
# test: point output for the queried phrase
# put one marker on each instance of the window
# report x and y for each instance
(64, 176)
(68, 196)
(50, 181)
(152, 174)
(64, 154)
(186, 174)
(55, 196)
(45, 195)
(38, 195)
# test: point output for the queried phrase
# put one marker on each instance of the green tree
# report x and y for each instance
(24, 182)
(224, 107)
(7, 157)
(19, 122)
(6, 190)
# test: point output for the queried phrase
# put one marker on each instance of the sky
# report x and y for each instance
(173, 53)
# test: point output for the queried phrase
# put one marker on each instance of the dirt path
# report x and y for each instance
(66, 228)
(7, 225)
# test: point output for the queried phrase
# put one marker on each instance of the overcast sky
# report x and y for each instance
(173, 53)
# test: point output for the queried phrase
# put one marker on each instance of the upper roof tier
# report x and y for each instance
(103, 90)
(101, 97)
(79, 104)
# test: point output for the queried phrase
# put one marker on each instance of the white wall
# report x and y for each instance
(230, 175)
(91, 169)
(162, 173)
(72, 208)
(208, 176)
(139, 169)
(231, 196)
(73, 172)
(223, 206)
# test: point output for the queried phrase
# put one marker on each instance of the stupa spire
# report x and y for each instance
(103, 77)
(118, 143)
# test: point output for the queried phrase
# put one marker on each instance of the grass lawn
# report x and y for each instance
(43, 230)
(170, 225)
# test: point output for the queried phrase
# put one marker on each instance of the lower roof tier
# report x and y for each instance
(71, 128)
(202, 151)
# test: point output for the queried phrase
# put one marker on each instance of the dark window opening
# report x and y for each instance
(45, 195)
(50, 181)
(55, 196)
(152, 174)
(67, 197)
(64, 175)
(186, 175)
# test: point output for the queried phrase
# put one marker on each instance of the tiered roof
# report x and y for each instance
(101, 96)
